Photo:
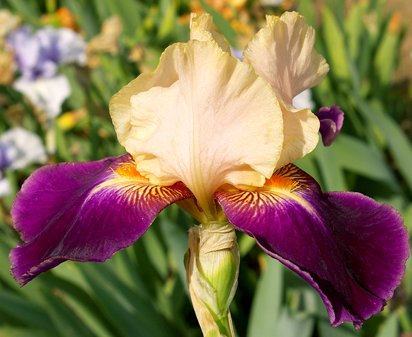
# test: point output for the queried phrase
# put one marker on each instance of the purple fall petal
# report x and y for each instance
(331, 122)
(83, 212)
(347, 246)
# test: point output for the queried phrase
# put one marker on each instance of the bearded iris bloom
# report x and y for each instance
(217, 136)
(38, 56)
(18, 148)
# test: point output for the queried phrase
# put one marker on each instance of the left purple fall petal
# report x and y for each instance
(347, 246)
(83, 212)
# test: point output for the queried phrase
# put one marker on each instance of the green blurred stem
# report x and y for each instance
(404, 320)
(51, 6)
(51, 136)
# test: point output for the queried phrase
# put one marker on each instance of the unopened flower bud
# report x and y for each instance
(212, 267)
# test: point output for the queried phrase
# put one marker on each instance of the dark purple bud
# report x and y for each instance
(331, 122)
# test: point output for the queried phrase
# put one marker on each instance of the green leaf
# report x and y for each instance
(246, 243)
(267, 302)
(176, 239)
(332, 174)
(85, 15)
(359, 157)
(77, 98)
(335, 44)
(407, 281)
(407, 216)
(326, 330)
(399, 145)
(325, 92)
(224, 27)
(129, 12)
(5, 275)
(102, 9)
(24, 311)
(168, 18)
(9, 331)
(389, 328)
(132, 314)
(338, 8)
(70, 272)
(293, 326)
(354, 27)
(29, 10)
(66, 321)
(76, 298)
(157, 254)
(308, 10)
(386, 55)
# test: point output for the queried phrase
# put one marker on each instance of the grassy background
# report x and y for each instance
(141, 291)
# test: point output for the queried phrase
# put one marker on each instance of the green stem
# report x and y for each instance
(404, 320)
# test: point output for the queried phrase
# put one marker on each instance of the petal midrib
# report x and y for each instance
(199, 189)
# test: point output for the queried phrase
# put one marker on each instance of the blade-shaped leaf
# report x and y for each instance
(357, 156)
(267, 301)
(399, 145)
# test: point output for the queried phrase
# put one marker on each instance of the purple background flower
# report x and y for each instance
(40, 53)
(18, 149)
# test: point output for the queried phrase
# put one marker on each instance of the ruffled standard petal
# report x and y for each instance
(217, 123)
(83, 212)
(283, 53)
(301, 134)
(202, 29)
(350, 248)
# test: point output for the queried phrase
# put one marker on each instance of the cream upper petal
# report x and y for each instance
(283, 53)
(301, 134)
(203, 118)
(202, 29)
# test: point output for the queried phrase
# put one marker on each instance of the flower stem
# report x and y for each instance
(51, 137)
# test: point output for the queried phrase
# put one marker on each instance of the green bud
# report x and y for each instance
(212, 268)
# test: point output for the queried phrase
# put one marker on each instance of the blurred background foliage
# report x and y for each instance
(141, 291)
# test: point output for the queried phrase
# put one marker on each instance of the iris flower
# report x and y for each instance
(38, 56)
(18, 149)
(218, 137)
